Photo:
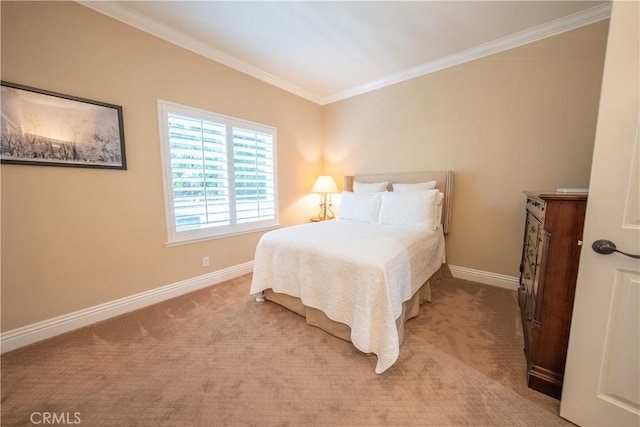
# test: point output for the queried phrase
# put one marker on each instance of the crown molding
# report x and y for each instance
(151, 26)
(155, 28)
(552, 28)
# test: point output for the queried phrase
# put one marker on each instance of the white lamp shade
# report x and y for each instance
(325, 184)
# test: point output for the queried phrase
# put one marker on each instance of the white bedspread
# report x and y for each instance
(356, 273)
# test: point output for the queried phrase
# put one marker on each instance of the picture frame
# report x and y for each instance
(44, 128)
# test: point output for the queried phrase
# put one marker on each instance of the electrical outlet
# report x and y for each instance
(205, 261)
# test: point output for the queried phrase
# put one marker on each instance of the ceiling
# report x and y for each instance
(328, 51)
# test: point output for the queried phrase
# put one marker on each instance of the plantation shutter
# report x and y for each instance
(219, 174)
(253, 168)
(199, 173)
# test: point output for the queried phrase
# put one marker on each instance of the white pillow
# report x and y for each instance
(363, 207)
(416, 208)
(373, 187)
(439, 205)
(428, 185)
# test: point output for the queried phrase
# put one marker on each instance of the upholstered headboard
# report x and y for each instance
(444, 183)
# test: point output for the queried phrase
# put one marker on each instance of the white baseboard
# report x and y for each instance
(485, 277)
(35, 332)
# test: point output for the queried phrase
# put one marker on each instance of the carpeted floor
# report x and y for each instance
(216, 357)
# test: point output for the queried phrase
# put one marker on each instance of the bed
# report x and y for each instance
(362, 275)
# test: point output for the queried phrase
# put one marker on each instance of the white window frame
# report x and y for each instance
(175, 237)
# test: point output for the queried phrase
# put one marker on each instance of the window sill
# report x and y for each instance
(220, 236)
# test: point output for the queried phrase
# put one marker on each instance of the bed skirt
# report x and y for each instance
(315, 317)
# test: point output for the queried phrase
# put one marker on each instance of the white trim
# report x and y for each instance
(140, 21)
(485, 277)
(35, 332)
(151, 26)
(561, 25)
(231, 124)
(222, 236)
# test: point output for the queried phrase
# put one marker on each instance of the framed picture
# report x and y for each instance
(51, 129)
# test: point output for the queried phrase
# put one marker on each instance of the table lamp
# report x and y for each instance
(325, 185)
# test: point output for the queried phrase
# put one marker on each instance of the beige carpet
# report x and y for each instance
(216, 357)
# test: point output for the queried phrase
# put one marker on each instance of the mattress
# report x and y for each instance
(356, 273)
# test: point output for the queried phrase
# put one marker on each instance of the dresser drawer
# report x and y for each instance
(528, 277)
(528, 324)
(533, 230)
(532, 226)
(531, 255)
(536, 208)
(532, 244)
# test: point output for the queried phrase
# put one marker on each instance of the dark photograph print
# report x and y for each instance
(51, 129)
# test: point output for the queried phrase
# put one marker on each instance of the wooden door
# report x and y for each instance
(602, 375)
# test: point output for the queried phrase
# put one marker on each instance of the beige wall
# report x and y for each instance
(520, 120)
(73, 238)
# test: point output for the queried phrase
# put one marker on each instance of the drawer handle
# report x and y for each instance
(606, 247)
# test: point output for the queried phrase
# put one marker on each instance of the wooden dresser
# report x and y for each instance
(548, 272)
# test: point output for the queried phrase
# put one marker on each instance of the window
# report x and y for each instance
(219, 174)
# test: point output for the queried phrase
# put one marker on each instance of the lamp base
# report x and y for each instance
(326, 209)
